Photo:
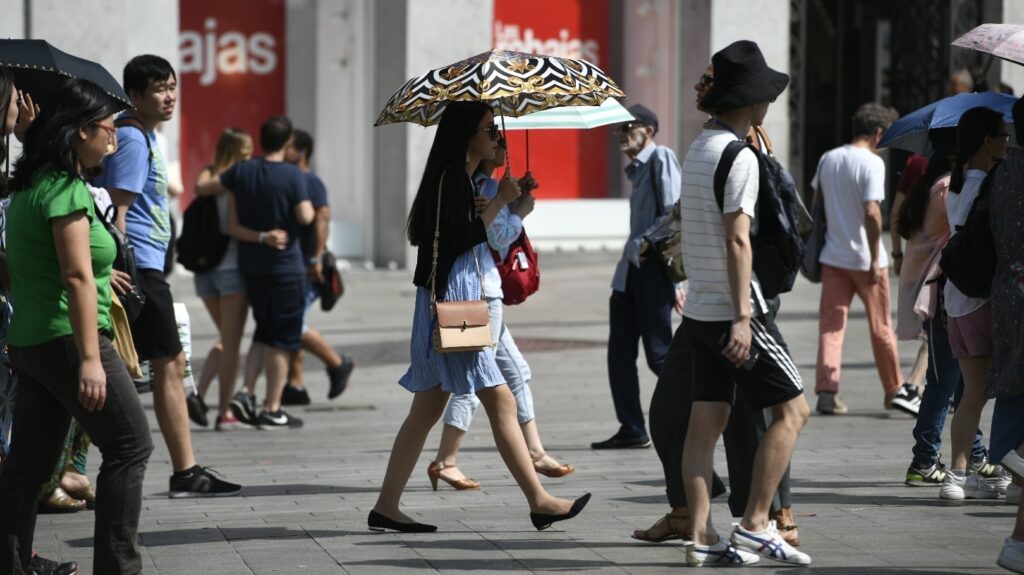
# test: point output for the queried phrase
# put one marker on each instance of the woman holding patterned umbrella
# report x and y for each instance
(465, 136)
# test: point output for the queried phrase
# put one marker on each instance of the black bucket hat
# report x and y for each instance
(742, 78)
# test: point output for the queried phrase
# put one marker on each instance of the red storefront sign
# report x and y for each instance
(567, 163)
(231, 74)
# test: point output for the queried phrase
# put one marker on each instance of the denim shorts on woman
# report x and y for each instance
(219, 283)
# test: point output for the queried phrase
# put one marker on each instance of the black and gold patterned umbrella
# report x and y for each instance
(515, 83)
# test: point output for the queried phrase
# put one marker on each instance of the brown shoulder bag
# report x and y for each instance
(459, 326)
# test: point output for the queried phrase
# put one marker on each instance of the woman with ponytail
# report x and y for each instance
(923, 222)
(981, 139)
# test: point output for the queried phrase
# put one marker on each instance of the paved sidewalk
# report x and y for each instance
(307, 493)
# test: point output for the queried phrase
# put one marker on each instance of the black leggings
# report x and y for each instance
(670, 418)
(47, 399)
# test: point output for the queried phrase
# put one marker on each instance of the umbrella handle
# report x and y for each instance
(527, 150)
(508, 159)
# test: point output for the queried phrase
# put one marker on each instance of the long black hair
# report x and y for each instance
(912, 211)
(50, 140)
(6, 87)
(975, 125)
(459, 123)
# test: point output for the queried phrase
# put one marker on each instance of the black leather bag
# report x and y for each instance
(124, 261)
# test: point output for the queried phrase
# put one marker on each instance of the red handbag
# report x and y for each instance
(520, 272)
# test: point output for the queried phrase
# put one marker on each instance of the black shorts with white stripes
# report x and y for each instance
(772, 380)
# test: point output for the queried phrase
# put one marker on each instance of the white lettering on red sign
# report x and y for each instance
(512, 37)
(211, 53)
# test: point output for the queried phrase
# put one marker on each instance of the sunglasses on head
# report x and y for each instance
(492, 131)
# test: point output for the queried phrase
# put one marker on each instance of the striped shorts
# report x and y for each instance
(771, 380)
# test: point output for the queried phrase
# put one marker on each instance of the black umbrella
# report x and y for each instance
(37, 67)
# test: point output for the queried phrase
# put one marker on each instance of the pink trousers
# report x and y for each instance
(838, 287)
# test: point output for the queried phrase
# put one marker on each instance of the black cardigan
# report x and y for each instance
(461, 229)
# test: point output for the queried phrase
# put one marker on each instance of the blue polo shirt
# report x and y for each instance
(266, 194)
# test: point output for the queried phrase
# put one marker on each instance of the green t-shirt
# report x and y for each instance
(38, 293)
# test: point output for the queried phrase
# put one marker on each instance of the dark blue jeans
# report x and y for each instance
(641, 313)
(944, 383)
(1007, 426)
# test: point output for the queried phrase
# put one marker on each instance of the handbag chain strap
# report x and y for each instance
(437, 245)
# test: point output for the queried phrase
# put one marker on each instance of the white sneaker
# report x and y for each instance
(768, 544)
(958, 487)
(1011, 557)
(1013, 462)
(720, 554)
(1000, 483)
(1013, 494)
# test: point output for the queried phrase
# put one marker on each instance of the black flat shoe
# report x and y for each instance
(378, 522)
(543, 520)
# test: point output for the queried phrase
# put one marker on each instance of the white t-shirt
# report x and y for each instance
(704, 253)
(848, 177)
(958, 207)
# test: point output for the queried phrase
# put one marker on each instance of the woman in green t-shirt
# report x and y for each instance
(60, 257)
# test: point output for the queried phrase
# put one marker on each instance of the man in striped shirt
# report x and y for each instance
(734, 340)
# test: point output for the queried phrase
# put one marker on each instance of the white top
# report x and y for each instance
(848, 177)
(704, 255)
(958, 207)
(230, 261)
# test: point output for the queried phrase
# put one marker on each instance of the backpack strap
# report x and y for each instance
(659, 199)
(724, 167)
(132, 122)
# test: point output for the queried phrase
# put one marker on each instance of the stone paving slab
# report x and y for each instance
(307, 492)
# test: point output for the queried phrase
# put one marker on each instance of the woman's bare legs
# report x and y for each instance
(508, 438)
(448, 450)
(968, 413)
(427, 407)
(920, 368)
(212, 364)
(540, 457)
(234, 310)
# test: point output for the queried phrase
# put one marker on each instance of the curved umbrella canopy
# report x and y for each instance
(515, 83)
(911, 131)
(38, 67)
(1005, 41)
(572, 117)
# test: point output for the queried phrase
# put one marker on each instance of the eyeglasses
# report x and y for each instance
(492, 131)
(110, 130)
(706, 80)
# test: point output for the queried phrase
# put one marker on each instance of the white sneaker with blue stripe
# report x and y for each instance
(768, 544)
(720, 554)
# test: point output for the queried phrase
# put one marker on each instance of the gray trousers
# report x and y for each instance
(47, 400)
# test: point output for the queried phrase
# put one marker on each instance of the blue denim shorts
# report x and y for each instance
(219, 283)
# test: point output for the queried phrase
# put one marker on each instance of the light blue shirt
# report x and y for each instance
(502, 232)
(644, 209)
(141, 170)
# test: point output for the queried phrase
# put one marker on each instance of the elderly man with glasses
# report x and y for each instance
(642, 297)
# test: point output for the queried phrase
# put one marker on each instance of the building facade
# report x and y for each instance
(332, 64)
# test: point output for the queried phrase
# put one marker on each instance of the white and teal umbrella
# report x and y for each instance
(568, 118)
(571, 117)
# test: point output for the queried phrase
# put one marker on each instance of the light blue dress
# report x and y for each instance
(457, 373)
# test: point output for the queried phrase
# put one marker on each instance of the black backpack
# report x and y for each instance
(969, 258)
(201, 246)
(777, 242)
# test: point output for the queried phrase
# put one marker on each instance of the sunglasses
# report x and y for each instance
(110, 130)
(492, 131)
(628, 127)
(706, 80)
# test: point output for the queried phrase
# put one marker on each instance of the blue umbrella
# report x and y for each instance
(911, 131)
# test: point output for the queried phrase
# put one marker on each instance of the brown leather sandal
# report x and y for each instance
(434, 473)
(786, 525)
(671, 531)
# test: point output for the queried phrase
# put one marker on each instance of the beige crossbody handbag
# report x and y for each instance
(459, 326)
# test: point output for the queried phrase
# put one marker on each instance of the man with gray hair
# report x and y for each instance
(851, 181)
